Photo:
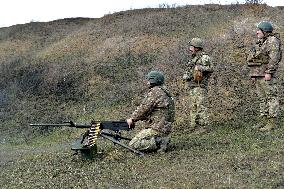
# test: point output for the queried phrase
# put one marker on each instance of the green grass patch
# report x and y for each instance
(226, 157)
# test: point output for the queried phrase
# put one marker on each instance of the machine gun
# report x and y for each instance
(87, 143)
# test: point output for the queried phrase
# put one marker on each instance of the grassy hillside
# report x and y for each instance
(83, 69)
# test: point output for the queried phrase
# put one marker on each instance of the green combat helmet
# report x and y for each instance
(197, 42)
(155, 78)
(265, 26)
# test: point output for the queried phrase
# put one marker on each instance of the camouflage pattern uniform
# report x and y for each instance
(198, 89)
(264, 58)
(157, 111)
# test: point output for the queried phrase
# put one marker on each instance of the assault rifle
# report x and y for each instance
(87, 143)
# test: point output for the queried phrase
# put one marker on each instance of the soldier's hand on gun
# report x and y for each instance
(267, 77)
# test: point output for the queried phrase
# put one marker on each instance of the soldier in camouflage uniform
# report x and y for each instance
(157, 111)
(263, 62)
(199, 69)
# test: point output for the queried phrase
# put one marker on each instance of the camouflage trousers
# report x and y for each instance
(198, 109)
(148, 140)
(267, 93)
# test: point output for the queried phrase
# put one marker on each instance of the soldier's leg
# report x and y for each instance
(192, 108)
(261, 91)
(201, 111)
(162, 143)
(263, 108)
(273, 107)
(145, 140)
(272, 104)
(202, 120)
(272, 98)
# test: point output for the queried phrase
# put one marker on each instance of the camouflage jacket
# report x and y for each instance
(205, 64)
(156, 109)
(265, 56)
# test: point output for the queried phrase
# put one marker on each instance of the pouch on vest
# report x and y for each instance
(197, 75)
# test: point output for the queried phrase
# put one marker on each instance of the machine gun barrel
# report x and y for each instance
(112, 125)
(64, 124)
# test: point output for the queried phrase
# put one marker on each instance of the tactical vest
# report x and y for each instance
(258, 58)
(167, 112)
(198, 83)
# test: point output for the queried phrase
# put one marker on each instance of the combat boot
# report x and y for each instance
(162, 143)
(271, 124)
(262, 121)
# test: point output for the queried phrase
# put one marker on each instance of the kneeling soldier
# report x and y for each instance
(157, 111)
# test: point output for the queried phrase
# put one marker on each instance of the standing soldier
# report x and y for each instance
(157, 110)
(199, 69)
(263, 63)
